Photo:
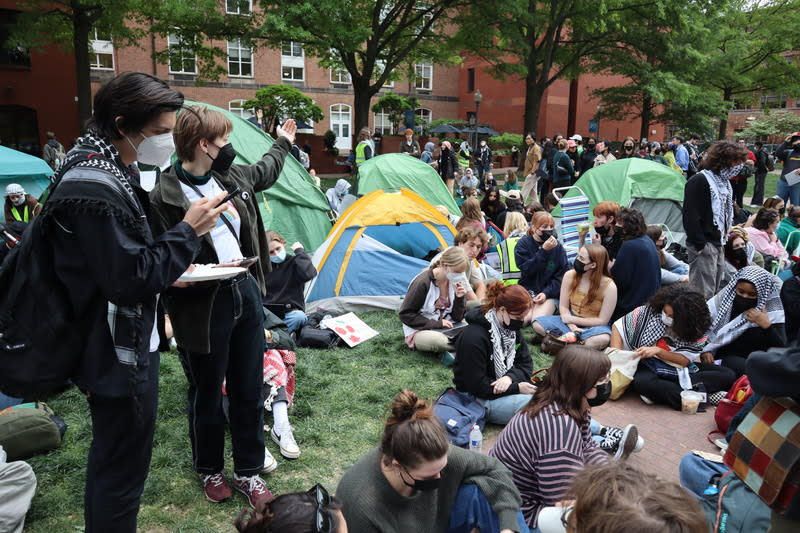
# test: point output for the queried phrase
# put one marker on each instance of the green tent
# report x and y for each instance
(655, 189)
(27, 170)
(294, 206)
(393, 171)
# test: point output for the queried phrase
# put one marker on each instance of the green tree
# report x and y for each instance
(775, 124)
(278, 102)
(395, 107)
(369, 39)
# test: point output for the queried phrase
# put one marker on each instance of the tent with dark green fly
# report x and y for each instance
(294, 206)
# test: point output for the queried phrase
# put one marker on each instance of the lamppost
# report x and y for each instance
(478, 97)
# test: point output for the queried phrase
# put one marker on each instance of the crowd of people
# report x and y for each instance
(120, 250)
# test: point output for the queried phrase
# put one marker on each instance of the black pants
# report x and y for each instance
(119, 456)
(237, 356)
(665, 391)
(739, 188)
(758, 188)
(736, 363)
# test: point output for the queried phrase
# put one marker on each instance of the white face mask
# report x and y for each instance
(667, 320)
(19, 201)
(457, 277)
(155, 150)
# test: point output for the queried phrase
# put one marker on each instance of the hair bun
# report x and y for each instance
(406, 405)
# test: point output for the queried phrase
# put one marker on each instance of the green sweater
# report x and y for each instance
(786, 233)
(371, 505)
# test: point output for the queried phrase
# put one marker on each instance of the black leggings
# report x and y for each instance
(665, 391)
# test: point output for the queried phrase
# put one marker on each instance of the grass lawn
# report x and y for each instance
(342, 396)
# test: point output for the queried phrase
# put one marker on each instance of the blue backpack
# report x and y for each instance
(458, 412)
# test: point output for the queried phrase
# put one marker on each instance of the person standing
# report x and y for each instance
(739, 182)
(448, 164)
(681, 155)
(112, 269)
(586, 160)
(483, 160)
(532, 158)
(708, 215)
(409, 145)
(364, 148)
(789, 154)
(53, 152)
(762, 158)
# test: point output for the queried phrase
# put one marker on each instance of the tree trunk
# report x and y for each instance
(533, 101)
(723, 122)
(647, 112)
(362, 94)
(81, 26)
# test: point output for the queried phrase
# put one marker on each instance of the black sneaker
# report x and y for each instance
(619, 443)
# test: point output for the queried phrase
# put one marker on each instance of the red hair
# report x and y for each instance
(540, 218)
(513, 297)
(609, 209)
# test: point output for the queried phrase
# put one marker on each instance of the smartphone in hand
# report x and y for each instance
(236, 191)
(247, 261)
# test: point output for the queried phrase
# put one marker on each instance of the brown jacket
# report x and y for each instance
(532, 158)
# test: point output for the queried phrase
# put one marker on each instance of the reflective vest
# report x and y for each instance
(508, 263)
(463, 159)
(26, 213)
(360, 155)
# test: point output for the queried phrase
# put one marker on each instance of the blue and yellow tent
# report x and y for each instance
(374, 251)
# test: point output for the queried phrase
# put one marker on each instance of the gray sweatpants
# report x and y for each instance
(17, 486)
(706, 268)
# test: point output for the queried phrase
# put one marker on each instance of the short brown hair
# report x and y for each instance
(765, 217)
(621, 497)
(273, 235)
(412, 434)
(468, 233)
(195, 123)
(607, 209)
(723, 154)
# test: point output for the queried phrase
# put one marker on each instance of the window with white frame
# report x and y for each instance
(340, 76)
(240, 60)
(238, 7)
(102, 55)
(423, 76)
(292, 73)
(423, 114)
(237, 108)
(341, 125)
(180, 60)
(380, 66)
(382, 123)
(291, 49)
(292, 61)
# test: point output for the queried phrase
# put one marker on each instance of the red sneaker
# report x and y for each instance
(253, 487)
(215, 487)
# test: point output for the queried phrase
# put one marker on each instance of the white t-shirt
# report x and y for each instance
(225, 244)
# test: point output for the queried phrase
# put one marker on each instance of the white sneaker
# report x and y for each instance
(270, 463)
(285, 440)
(646, 400)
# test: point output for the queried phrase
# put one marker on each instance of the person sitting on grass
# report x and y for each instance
(739, 253)
(468, 179)
(542, 263)
(472, 240)
(672, 270)
(669, 334)
(587, 300)
(492, 359)
(415, 481)
(435, 303)
(493, 207)
(314, 511)
(637, 269)
(549, 441)
(286, 281)
(789, 229)
(764, 237)
(511, 183)
(746, 316)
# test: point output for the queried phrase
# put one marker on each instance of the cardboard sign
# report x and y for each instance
(350, 328)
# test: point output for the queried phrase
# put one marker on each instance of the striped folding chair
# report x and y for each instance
(574, 212)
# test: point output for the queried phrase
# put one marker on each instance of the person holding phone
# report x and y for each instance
(218, 324)
(287, 280)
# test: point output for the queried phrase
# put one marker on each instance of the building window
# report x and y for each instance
(292, 61)
(382, 124)
(236, 107)
(422, 115)
(292, 49)
(240, 60)
(238, 7)
(773, 100)
(340, 77)
(292, 73)
(102, 55)
(470, 80)
(380, 66)
(180, 60)
(423, 76)
(341, 125)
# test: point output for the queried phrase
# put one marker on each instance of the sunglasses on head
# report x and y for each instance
(323, 523)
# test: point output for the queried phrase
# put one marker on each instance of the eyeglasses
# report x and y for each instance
(323, 520)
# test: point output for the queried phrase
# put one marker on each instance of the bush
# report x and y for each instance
(505, 140)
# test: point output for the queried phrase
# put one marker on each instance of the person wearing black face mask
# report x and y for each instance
(788, 153)
(586, 159)
(747, 316)
(492, 359)
(219, 326)
(627, 150)
(542, 263)
(415, 481)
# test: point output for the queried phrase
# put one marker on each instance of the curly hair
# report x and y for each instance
(723, 154)
(690, 318)
(633, 223)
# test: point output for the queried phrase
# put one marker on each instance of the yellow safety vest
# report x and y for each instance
(508, 263)
(463, 161)
(360, 155)
(26, 213)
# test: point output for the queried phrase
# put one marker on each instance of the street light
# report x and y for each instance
(478, 97)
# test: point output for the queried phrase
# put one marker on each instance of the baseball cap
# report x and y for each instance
(571, 143)
(512, 194)
(576, 137)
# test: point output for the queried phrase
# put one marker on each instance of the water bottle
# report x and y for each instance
(476, 439)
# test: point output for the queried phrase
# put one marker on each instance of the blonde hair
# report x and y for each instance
(515, 221)
(195, 123)
(452, 257)
(273, 235)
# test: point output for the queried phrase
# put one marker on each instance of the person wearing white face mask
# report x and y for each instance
(286, 281)
(20, 206)
(219, 325)
(111, 268)
(435, 304)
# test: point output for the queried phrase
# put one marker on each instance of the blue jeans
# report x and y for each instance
(788, 192)
(295, 320)
(553, 324)
(500, 410)
(695, 472)
(472, 510)
(8, 401)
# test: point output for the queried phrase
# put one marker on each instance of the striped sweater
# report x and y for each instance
(544, 453)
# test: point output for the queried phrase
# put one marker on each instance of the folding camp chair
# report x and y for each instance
(574, 212)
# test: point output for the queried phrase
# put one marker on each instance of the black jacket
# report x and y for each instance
(473, 371)
(286, 281)
(790, 158)
(698, 219)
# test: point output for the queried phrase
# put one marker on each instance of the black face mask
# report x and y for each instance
(603, 392)
(782, 211)
(422, 484)
(742, 304)
(628, 148)
(590, 147)
(740, 255)
(579, 267)
(515, 324)
(602, 230)
(619, 232)
(546, 235)
(224, 159)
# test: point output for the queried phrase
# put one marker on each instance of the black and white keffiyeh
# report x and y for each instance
(504, 342)
(722, 198)
(726, 328)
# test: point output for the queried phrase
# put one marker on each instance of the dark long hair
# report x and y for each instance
(289, 513)
(690, 318)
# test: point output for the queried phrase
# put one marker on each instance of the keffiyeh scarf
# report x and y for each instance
(722, 198)
(504, 343)
(643, 327)
(726, 328)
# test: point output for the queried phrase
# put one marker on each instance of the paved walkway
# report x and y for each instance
(668, 434)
